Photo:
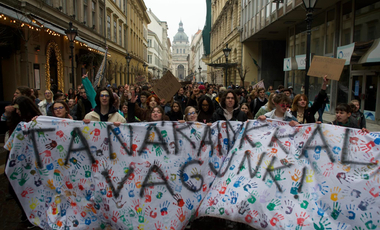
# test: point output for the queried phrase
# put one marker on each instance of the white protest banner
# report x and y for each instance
(117, 178)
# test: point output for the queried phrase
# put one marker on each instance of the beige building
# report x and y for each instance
(126, 26)
(35, 50)
(225, 24)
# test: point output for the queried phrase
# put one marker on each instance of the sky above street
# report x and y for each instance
(191, 12)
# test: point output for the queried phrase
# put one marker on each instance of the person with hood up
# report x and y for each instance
(229, 109)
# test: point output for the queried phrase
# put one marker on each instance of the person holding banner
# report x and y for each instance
(60, 109)
(175, 113)
(229, 109)
(269, 106)
(206, 109)
(104, 110)
(300, 108)
(343, 118)
(281, 103)
(23, 109)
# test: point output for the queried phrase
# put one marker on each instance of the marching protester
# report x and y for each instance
(60, 109)
(357, 114)
(104, 110)
(190, 114)
(23, 109)
(181, 98)
(229, 109)
(44, 105)
(280, 111)
(246, 110)
(206, 109)
(301, 109)
(175, 113)
(259, 101)
(343, 118)
(269, 106)
(72, 108)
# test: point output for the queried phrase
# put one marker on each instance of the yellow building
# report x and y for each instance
(126, 33)
(225, 23)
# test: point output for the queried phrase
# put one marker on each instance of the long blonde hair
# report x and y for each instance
(270, 105)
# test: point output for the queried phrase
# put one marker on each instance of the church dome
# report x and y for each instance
(180, 35)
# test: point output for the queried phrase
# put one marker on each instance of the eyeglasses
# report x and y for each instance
(104, 95)
(60, 107)
(158, 112)
(192, 113)
(284, 105)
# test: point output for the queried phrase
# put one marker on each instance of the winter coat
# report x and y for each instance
(113, 115)
(237, 115)
(359, 118)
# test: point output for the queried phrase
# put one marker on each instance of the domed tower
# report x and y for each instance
(180, 52)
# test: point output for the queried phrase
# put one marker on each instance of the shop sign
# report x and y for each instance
(287, 64)
(345, 52)
(301, 61)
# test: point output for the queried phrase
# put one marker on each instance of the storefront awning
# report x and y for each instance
(373, 53)
(13, 13)
(50, 26)
(61, 31)
(91, 45)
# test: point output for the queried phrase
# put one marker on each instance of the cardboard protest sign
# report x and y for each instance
(167, 86)
(68, 174)
(321, 66)
(139, 79)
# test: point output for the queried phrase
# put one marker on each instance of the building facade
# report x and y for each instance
(197, 66)
(158, 49)
(225, 29)
(180, 53)
(35, 50)
(137, 30)
(342, 29)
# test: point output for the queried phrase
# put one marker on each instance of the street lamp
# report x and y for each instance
(144, 66)
(226, 52)
(154, 70)
(71, 33)
(158, 74)
(128, 57)
(200, 73)
(309, 6)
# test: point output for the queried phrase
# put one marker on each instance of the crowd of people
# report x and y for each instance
(204, 103)
(194, 102)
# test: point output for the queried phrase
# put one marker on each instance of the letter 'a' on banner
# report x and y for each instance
(68, 174)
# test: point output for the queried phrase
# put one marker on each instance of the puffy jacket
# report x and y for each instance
(113, 115)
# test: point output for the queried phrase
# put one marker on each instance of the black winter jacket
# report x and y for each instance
(308, 115)
(237, 115)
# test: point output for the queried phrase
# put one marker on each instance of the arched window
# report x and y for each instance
(181, 72)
